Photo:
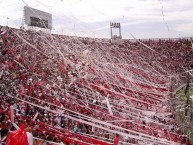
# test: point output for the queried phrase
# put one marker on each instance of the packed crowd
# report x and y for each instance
(83, 90)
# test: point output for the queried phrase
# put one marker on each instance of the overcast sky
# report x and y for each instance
(141, 18)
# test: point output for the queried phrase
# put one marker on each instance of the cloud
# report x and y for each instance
(185, 29)
(143, 18)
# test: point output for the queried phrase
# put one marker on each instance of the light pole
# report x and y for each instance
(7, 20)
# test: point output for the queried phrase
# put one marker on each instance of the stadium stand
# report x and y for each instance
(87, 91)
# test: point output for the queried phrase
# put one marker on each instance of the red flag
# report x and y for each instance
(18, 137)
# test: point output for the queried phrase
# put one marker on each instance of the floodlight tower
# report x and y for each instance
(115, 26)
(7, 20)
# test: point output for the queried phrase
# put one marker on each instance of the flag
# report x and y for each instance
(18, 137)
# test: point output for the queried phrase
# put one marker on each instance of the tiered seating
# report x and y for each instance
(84, 91)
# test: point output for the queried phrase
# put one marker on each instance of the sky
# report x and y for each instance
(91, 18)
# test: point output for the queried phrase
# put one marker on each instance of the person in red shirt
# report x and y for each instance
(188, 142)
(116, 140)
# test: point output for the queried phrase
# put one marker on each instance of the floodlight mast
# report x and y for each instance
(114, 26)
(7, 20)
